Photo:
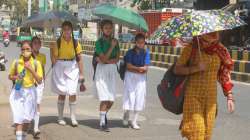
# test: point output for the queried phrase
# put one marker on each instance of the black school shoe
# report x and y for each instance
(104, 128)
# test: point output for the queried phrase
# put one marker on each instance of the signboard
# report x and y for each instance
(84, 14)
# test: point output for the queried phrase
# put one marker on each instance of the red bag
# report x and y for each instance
(171, 89)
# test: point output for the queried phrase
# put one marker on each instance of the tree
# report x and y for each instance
(151, 4)
(20, 8)
(145, 5)
(8, 3)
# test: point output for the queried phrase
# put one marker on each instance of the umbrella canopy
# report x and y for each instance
(121, 16)
(197, 23)
(50, 19)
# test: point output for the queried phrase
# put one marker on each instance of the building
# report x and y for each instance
(210, 4)
(5, 16)
(60, 5)
(73, 6)
(43, 6)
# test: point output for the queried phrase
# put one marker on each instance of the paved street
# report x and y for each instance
(156, 123)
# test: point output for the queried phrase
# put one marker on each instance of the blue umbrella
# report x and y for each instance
(50, 19)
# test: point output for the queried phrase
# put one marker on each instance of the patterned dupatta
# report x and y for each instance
(224, 73)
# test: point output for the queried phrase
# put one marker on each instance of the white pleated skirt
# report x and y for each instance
(39, 91)
(105, 81)
(65, 76)
(134, 91)
(23, 104)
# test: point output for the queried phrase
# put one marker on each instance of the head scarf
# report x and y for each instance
(215, 47)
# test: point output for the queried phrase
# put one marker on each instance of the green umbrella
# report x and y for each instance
(121, 16)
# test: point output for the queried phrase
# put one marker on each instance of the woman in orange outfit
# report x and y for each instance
(213, 63)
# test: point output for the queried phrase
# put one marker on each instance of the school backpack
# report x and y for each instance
(94, 61)
(172, 87)
(123, 66)
(75, 43)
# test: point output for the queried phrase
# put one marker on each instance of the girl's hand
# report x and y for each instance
(201, 67)
(142, 69)
(230, 103)
(28, 66)
(98, 60)
(81, 77)
(16, 77)
(230, 106)
(114, 43)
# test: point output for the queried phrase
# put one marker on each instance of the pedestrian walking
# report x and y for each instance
(200, 103)
(137, 61)
(36, 46)
(25, 72)
(67, 71)
(108, 53)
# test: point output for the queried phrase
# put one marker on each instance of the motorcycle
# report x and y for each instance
(6, 42)
(3, 61)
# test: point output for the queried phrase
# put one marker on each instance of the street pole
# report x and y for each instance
(29, 8)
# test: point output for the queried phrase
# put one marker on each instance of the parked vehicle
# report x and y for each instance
(6, 38)
(23, 33)
(3, 61)
(6, 42)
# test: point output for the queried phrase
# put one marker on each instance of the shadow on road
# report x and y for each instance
(48, 119)
(94, 123)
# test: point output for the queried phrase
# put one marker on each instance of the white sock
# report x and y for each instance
(72, 107)
(102, 117)
(36, 121)
(60, 107)
(126, 115)
(24, 135)
(136, 115)
(19, 135)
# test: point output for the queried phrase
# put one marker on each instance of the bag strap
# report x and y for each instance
(35, 64)
(16, 66)
(192, 55)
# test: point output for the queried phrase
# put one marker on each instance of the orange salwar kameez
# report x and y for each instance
(199, 109)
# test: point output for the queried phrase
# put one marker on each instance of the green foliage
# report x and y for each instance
(20, 8)
(145, 5)
(148, 4)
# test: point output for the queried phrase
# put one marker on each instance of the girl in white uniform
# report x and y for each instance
(67, 70)
(25, 72)
(36, 45)
(137, 61)
(108, 52)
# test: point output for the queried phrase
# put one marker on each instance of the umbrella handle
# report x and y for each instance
(202, 79)
(199, 48)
